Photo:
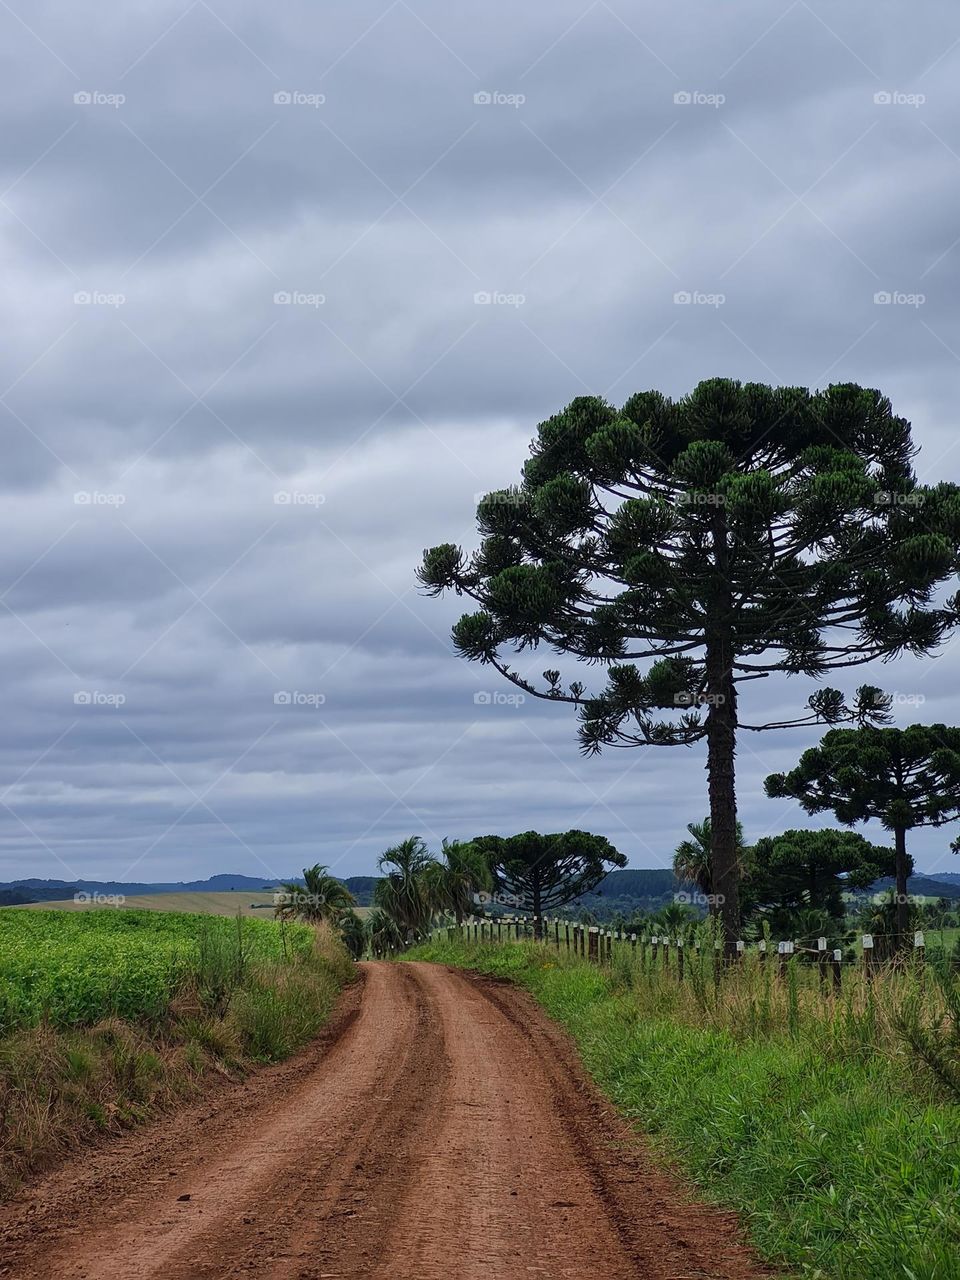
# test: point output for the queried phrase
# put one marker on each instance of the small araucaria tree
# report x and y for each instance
(905, 778)
(741, 531)
(543, 872)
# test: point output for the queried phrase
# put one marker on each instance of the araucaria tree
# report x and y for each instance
(741, 531)
(543, 872)
(811, 870)
(904, 778)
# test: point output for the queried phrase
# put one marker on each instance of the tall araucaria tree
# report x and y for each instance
(741, 531)
(905, 778)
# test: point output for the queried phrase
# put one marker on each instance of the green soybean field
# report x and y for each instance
(74, 969)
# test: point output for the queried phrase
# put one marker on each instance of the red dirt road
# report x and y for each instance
(442, 1130)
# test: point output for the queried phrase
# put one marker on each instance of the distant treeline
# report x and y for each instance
(620, 892)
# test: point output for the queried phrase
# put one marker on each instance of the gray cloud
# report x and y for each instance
(146, 363)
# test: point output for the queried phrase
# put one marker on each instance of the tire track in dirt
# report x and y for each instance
(446, 1131)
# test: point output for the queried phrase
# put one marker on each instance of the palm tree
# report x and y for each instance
(691, 858)
(352, 933)
(461, 872)
(404, 893)
(675, 918)
(383, 933)
(320, 897)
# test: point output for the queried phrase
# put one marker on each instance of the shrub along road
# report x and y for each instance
(440, 1128)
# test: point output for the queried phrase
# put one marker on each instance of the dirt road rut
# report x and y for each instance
(444, 1131)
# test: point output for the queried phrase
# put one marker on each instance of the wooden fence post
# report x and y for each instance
(679, 959)
(919, 948)
(592, 942)
(837, 975)
(822, 961)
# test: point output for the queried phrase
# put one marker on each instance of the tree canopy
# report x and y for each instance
(740, 531)
(812, 869)
(903, 778)
(544, 872)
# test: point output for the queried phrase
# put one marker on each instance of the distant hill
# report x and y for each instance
(921, 886)
(629, 891)
(15, 893)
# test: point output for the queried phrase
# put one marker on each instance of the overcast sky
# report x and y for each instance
(248, 373)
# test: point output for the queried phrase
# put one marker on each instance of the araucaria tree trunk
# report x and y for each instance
(903, 905)
(721, 753)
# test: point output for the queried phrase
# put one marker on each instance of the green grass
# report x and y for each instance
(107, 1018)
(804, 1114)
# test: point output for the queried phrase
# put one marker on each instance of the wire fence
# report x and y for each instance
(669, 952)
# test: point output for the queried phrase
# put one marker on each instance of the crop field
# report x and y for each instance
(73, 969)
(227, 903)
(257, 906)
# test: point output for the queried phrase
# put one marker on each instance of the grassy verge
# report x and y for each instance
(97, 1056)
(840, 1151)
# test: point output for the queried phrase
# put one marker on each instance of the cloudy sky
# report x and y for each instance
(287, 286)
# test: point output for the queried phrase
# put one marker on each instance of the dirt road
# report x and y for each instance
(444, 1130)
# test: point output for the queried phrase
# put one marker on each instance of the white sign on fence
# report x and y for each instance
(867, 941)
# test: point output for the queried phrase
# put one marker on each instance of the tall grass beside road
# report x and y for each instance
(829, 1122)
(108, 1017)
